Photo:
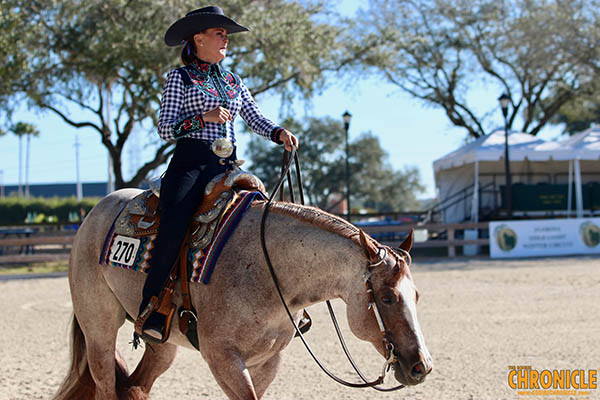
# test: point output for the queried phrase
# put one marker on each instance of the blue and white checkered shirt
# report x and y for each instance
(197, 88)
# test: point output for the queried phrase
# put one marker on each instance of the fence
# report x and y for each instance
(55, 246)
(436, 235)
(32, 247)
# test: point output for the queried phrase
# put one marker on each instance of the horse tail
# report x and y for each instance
(79, 383)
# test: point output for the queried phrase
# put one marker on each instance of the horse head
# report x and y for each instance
(384, 311)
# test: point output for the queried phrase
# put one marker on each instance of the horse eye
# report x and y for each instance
(388, 300)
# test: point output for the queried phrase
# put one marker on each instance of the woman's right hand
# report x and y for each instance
(219, 115)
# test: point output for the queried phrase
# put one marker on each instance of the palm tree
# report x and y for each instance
(20, 129)
(2, 133)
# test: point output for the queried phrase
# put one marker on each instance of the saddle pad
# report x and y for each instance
(133, 253)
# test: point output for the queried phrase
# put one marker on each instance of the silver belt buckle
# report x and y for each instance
(222, 147)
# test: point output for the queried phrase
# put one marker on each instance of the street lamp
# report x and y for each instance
(347, 116)
(504, 102)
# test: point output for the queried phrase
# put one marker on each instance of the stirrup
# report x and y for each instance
(152, 334)
(304, 324)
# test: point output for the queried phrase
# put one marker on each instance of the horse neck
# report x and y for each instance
(313, 264)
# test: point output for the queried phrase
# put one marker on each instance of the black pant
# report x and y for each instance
(182, 189)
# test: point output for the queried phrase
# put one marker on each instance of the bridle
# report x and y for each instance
(391, 357)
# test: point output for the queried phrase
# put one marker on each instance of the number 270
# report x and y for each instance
(126, 250)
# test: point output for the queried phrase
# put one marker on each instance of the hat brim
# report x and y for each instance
(187, 26)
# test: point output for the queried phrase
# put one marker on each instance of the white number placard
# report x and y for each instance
(124, 250)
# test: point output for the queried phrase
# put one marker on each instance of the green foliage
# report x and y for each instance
(373, 181)
(108, 57)
(23, 129)
(440, 51)
(15, 211)
(581, 112)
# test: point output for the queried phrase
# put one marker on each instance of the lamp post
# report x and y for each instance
(347, 116)
(504, 102)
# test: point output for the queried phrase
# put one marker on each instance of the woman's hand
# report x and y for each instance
(219, 115)
(288, 139)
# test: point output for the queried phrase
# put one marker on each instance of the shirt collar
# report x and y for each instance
(202, 65)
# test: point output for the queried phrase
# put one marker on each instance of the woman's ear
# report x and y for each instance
(198, 40)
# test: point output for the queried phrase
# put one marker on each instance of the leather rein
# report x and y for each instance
(391, 357)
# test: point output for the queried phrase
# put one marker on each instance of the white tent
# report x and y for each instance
(584, 149)
(478, 168)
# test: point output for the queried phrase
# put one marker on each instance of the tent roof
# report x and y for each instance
(585, 145)
(490, 148)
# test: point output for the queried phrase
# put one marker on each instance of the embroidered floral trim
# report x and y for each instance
(187, 126)
(204, 77)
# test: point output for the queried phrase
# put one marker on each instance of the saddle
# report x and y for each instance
(141, 218)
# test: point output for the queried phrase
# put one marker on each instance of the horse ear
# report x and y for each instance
(406, 245)
(369, 248)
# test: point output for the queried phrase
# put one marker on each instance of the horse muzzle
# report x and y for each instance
(414, 374)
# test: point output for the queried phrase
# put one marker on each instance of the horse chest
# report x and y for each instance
(264, 348)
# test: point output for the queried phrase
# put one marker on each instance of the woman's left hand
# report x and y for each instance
(288, 139)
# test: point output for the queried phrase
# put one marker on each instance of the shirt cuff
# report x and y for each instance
(275, 134)
(188, 125)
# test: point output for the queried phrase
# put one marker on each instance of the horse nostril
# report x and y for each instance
(419, 371)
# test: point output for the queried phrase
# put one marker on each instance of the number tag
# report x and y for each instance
(123, 250)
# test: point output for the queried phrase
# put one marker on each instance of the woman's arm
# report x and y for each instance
(261, 124)
(255, 119)
(170, 124)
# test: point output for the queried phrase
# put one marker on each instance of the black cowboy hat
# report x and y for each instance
(199, 20)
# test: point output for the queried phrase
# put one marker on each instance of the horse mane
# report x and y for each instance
(319, 218)
(329, 222)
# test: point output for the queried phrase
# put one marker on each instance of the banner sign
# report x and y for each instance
(544, 237)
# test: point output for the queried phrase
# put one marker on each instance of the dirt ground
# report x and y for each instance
(479, 317)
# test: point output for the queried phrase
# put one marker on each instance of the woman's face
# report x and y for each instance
(211, 44)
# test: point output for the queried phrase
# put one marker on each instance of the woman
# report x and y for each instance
(199, 104)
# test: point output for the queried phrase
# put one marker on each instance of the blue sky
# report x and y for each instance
(412, 133)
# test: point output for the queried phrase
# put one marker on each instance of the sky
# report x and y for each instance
(412, 133)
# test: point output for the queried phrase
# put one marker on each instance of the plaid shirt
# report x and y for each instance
(200, 87)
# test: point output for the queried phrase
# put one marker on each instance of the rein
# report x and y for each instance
(391, 357)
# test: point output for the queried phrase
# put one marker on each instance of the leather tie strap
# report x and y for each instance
(188, 319)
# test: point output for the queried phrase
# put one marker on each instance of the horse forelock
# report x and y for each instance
(402, 264)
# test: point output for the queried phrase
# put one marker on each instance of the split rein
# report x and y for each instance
(391, 357)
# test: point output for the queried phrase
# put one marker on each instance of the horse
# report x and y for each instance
(242, 325)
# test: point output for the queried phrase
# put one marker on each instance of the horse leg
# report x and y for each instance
(264, 374)
(232, 375)
(100, 329)
(156, 360)
(100, 316)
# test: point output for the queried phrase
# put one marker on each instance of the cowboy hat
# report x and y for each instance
(199, 20)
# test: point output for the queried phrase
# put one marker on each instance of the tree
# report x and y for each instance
(579, 114)
(440, 50)
(21, 129)
(107, 59)
(374, 183)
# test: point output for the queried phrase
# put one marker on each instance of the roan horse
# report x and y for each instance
(242, 326)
